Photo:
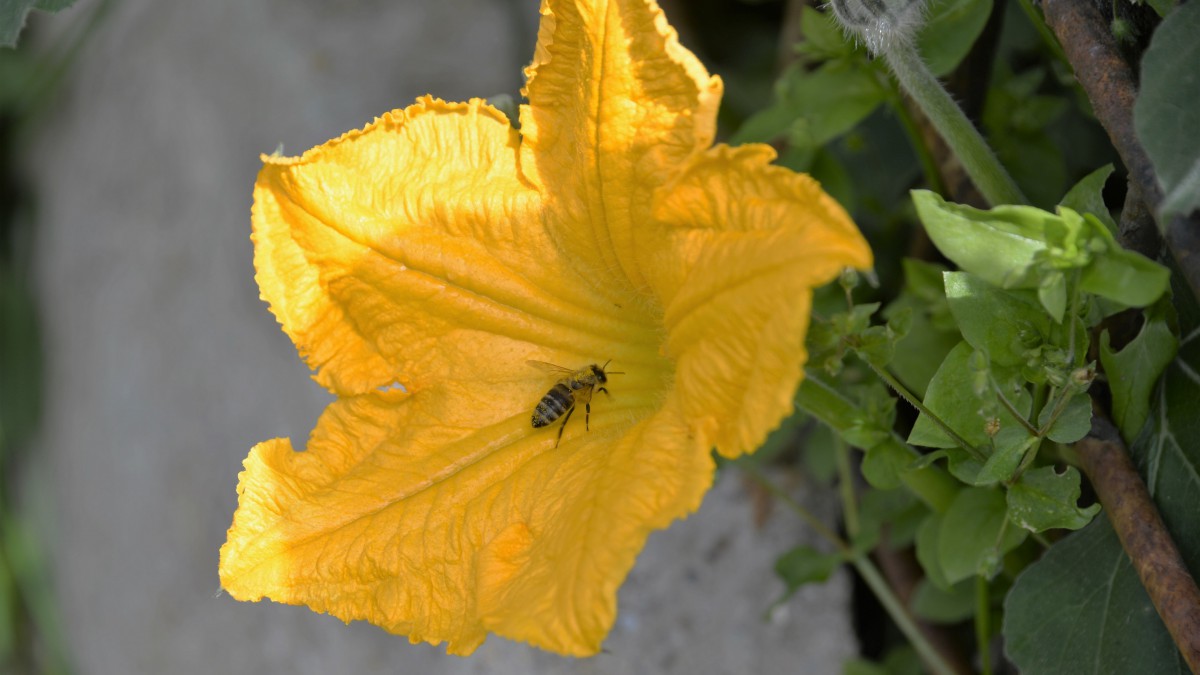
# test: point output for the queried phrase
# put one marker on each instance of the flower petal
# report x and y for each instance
(743, 245)
(615, 105)
(375, 247)
(405, 512)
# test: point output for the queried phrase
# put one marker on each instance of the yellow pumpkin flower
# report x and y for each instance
(420, 263)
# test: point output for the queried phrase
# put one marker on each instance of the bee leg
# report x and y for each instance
(605, 392)
(563, 427)
(587, 415)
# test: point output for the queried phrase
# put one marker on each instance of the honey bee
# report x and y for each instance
(575, 387)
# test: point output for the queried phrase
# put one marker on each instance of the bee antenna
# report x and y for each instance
(605, 364)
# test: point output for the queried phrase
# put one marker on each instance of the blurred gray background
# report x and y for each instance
(163, 367)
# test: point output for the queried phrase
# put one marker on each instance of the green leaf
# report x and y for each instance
(998, 246)
(928, 535)
(1167, 111)
(1081, 609)
(949, 32)
(1044, 500)
(931, 334)
(1087, 196)
(964, 466)
(1002, 324)
(1127, 277)
(1133, 371)
(804, 565)
(1161, 7)
(823, 39)
(13, 14)
(1003, 463)
(1052, 293)
(815, 107)
(1073, 422)
(944, 606)
(975, 534)
(901, 660)
(832, 100)
(952, 396)
(884, 463)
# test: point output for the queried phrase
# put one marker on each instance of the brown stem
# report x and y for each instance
(1143, 536)
(1111, 86)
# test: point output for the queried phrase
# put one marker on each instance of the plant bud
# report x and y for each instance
(881, 24)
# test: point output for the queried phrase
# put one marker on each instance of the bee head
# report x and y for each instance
(601, 374)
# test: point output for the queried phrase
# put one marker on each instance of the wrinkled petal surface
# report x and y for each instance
(615, 105)
(740, 248)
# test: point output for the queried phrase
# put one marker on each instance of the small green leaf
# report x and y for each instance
(1045, 500)
(1002, 324)
(944, 606)
(975, 534)
(928, 459)
(13, 14)
(823, 39)
(931, 332)
(815, 107)
(928, 535)
(949, 32)
(1087, 196)
(998, 246)
(1003, 463)
(804, 565)
(1127, 277)
(952, 397)
(1167, 111)
(901, 660)
(963, 466)
(1161, 7)
(1073, 422)
(884, 462)
(1052, 293)
(1133, 371)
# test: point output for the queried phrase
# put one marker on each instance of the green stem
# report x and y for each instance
(1060, 406)
(907, 395)
(870, 574)
(980, 163)
(846, 488)
(1012, 410)
(806, 515)
(931, 484)
(983, 615)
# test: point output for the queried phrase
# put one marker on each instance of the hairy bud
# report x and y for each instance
(881, 24)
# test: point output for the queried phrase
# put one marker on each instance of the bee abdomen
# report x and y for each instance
(552, 406)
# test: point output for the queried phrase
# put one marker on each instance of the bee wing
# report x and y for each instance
(549, 367)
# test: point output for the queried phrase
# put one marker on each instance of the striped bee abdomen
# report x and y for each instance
(552, 406)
